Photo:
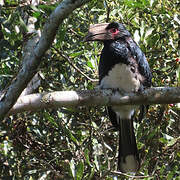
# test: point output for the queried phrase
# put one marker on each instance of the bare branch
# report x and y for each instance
(35, 102)
(108, 9)
(130, 176)
(32, 58)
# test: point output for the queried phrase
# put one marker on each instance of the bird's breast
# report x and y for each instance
(123, 77)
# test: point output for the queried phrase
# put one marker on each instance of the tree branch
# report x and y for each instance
(130, 176)
(157, 95)
(32, 58)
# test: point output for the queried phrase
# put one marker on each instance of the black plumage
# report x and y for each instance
(122, 66)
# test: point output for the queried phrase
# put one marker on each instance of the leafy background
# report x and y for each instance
(76, 143)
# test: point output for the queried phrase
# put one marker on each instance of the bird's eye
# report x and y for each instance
(114, 31)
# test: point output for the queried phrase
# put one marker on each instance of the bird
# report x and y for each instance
(122, 66)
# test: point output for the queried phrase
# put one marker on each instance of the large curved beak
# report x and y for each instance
(97, 32)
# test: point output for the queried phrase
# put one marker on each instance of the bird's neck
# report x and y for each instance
(115, 52)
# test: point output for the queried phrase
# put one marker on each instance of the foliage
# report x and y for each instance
(76, 143)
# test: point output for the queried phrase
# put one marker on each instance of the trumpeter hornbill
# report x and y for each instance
(122, 66)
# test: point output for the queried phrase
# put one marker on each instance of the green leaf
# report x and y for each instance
(177, 178)
(22, 24)
(34, 8)
(72, 168)
(163, 140)
(178, 75)
(86, 153)
(71, 136)
(80, 171)
(62, 32)
(73, 55)
(47, 8)
(173, 141)
(136, 3)
(50, 119)
(92, 173)
(96, 162)
(89, 64)
(31, 178)
(36, 14)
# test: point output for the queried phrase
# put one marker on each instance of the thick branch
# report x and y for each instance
(32, 59)
(34, 102)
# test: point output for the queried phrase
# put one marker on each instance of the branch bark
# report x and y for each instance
(34, 102)
(33, 57)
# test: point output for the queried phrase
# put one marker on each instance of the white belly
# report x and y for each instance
(123, 78)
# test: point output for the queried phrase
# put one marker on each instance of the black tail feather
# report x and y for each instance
(113, 118)
(128, 159)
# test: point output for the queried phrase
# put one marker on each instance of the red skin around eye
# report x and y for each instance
(114, 32)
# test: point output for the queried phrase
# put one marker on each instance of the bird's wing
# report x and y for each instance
(141, 60)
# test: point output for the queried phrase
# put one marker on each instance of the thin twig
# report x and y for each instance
(66, 57)
(130, 176)
(154, 170)
(74, 32)
(108, 10)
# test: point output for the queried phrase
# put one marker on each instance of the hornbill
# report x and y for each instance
(122, 66)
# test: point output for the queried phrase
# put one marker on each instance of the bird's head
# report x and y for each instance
(106, 31)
